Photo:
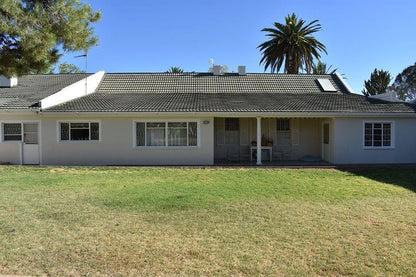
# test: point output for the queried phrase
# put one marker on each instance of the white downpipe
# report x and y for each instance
(258, 141)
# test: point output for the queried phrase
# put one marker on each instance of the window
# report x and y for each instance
(378, 134)
(166, 134)
(12, 132)
(283, 125)
(79, 131)
(232, 124)
(283, 132)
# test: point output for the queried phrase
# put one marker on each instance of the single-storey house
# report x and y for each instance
(199, 119)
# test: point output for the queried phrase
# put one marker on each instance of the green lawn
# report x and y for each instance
(214, 221)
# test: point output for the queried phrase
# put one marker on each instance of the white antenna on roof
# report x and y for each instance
(211, 61)
(85, 55)
(86, 69)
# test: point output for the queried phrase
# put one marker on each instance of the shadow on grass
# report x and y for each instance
(403, 176)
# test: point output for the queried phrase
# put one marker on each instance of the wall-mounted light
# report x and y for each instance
(206, 121)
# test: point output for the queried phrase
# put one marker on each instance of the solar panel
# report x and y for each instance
(326, 85)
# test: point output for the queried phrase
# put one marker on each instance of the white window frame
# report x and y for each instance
(58, 131)
(22, 122)
(392, 134)
(3, 134)
(166, 121)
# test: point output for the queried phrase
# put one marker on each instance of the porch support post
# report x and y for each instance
(258, 141)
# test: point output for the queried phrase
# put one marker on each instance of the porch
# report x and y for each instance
(279, 141)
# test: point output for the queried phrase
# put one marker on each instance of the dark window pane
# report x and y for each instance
(177, 124)
(80, 134)
(64, 131)
(156, 125)
(12, 137)
(192, 134)
(140, 134)
(12, 128)
(283, 125)
(80, 125)
(232, 124)
(95, 131)
(326, 133)
(12, 132)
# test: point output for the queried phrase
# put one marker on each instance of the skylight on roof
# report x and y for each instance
(326, 85)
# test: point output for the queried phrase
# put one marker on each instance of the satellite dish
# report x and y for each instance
(211, 61)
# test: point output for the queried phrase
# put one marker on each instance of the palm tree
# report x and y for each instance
(321, 68)
(174, 69)
(292, 44)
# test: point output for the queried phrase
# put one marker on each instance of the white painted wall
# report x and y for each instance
(310, 136)
(116, 146)
(348, 142)
(10, 152)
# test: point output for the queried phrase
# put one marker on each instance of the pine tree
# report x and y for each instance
(405, 84)
(378, 83)
(32, 31)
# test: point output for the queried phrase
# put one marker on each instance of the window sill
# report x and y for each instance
(79, 141)
(166, 147)
(379, 148)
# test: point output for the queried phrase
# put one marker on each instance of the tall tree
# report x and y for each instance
(292, 44)
(33, 31)
(174, 69)
(378, 83)
(322, 68)
(405, 84)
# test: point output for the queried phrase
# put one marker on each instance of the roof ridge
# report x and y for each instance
(210, 73)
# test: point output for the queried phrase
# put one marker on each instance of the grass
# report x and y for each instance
(214, 221)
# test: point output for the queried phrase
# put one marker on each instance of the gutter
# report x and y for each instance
(321, 114)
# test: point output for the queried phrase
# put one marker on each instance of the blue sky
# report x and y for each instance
(152, 36)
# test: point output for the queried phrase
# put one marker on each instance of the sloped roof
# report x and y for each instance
(33, 88)
(118, 83)
(199, 92)
(230, 102)
(204, 92)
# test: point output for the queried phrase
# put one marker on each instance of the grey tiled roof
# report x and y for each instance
(32, 88)
(198, 92)
(208, 83)
(230, 102)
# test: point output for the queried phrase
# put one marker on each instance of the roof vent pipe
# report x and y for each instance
(6, 82)
(216, 69)
(241, 70)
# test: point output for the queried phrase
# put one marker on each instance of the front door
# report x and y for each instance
(232, 139)
(31, 143)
